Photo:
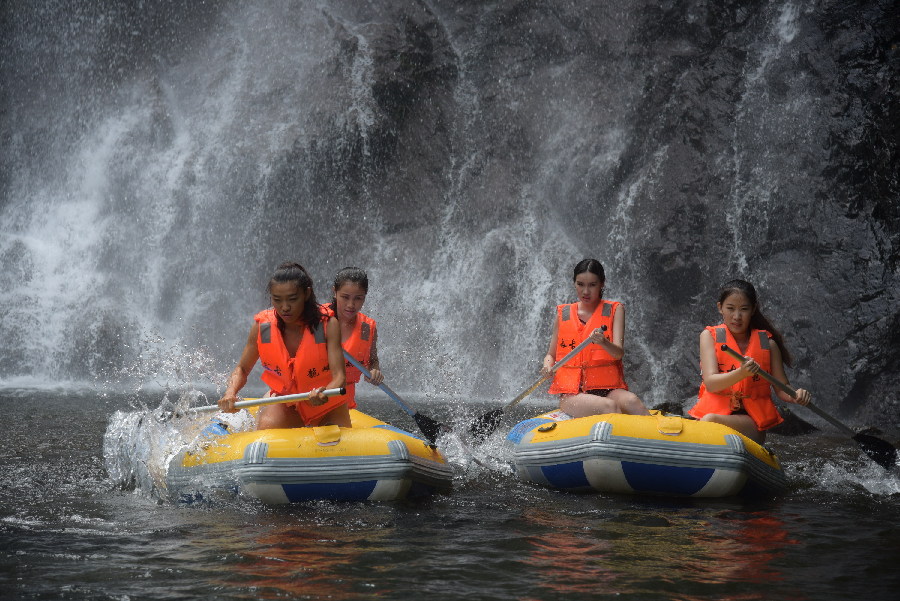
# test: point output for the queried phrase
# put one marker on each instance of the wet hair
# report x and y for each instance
(758, 321)
(589, 265)
(349, 274)
(290, 271)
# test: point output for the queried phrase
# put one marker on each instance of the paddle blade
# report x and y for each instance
(428, 426)
(881, 451)
(485, 425)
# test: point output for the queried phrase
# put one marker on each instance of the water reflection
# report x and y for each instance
(303, 561)
(637, 552)
(742, 548)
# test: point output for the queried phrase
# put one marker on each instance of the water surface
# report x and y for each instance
(68, 531)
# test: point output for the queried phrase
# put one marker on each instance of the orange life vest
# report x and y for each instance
(752, 394)
(306, 370)
(593, 368)
(359, 345)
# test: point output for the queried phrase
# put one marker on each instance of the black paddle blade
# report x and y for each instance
(429, 427)
(881, 451)
(485, 425)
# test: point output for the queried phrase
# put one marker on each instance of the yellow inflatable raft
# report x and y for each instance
(370, 461)
(656, 454)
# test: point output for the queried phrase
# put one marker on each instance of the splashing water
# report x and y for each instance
(138, 446)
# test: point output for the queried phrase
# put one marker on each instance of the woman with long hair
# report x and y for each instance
(732, 392)
(298, 343)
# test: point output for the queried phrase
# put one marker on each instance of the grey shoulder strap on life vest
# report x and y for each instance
(607, 309)
(319, 333)
(567, 313)
(763, 340)
(365, 330)
(265, 332)
(721, 336)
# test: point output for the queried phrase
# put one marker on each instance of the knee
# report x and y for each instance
(339, 416)
(565, 403)
(273, 416)
(607, 405)
(631, 403)
(267, 421)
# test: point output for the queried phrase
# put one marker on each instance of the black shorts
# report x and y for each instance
(599, 391)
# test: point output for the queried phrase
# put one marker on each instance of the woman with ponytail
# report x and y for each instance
(732, 392)
(359, 333)
(298, 343)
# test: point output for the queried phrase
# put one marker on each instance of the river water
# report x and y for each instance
(161, 158)
(69, 531)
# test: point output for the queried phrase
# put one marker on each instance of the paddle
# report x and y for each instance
(272, 400)
(485, 425)
(428, 426)
(881, 451)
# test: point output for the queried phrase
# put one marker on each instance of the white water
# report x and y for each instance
(176, 163)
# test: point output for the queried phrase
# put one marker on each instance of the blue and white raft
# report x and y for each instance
(655, 455)
(372, 461)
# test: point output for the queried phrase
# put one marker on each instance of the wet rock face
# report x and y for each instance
(684, 147)
(469, 155)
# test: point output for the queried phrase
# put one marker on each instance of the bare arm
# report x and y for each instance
(803, 396)
(374, 365)
(238, 377)
(709, 366)
(550, 357)
(335, 359)
(615, 347)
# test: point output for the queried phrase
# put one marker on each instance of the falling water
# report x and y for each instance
(162, 159)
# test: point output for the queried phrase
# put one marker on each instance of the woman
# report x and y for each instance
(733, 393)
(592, 382)
(299, 345)
(359, 335)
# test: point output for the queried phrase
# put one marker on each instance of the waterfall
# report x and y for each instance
(161, 159)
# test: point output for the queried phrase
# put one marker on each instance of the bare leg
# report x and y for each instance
(617, 401)
(584, 404)
(339, 416)
(742, 423)
(628, 402)
(281, 415)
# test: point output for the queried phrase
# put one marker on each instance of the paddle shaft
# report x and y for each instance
(581, 346)
(272, 400)
(785, 388)
(429, 427)
(485, 425)
(382, 386)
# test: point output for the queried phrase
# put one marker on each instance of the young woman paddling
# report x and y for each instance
(593, 382)
(733, 393)
(359, 334)
(299, 345)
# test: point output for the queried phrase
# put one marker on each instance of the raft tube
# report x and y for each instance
(650, 454)
(372, 461)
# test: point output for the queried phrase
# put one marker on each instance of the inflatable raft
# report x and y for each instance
(655, 455)
(371, 461)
